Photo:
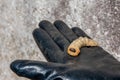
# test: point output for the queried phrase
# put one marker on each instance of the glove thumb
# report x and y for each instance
(35, 69)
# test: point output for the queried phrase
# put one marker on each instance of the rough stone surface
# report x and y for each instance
(100, 19)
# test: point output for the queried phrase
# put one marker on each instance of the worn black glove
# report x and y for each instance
(93, 63)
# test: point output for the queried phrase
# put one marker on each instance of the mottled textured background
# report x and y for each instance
(100, 19)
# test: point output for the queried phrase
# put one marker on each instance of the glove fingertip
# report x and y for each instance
(15, 65)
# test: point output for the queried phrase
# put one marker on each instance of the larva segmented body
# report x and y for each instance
(74, 47)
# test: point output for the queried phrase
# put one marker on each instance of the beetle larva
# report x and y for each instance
(74, 47)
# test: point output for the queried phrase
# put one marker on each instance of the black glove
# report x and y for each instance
(93, 63)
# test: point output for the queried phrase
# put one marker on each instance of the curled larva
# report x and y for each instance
(74, 47)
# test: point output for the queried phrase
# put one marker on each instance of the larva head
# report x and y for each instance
(73, 51)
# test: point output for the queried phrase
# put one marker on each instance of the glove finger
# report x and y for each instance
(79, 32)
(47, 46)
(65, 30)
(59, 39)
(34, 69)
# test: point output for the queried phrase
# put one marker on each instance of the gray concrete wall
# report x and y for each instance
(100, 19)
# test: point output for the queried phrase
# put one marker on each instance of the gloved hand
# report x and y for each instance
(93, 63)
